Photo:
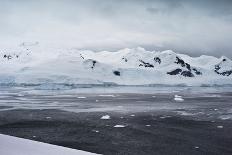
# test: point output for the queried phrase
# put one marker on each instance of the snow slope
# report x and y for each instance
(30, 63)
(18, 146)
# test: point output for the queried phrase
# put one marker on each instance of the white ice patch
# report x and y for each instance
(178, 98)
(119, 126)
(95, 131)
(225, 117)
(220, 127)
(105, 117)
(184, 113)
(81, 97)
(107, 95)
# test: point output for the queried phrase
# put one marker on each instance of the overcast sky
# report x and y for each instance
(187, 26)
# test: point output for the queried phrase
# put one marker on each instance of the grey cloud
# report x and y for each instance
(194, 26)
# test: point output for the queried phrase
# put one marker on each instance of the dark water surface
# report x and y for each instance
(153, 121)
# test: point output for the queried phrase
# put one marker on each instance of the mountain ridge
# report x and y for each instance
(31, 63)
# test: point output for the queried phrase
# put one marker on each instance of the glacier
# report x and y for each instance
(33, 64)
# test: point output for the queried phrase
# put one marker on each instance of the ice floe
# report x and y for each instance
(220, 127)
(107, 95)
(105, 117)
(81, 97)
(119, 126)
(178, 98)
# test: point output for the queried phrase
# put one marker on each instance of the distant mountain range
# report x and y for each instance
(30, 63)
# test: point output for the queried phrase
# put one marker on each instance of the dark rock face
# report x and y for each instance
(82, 56)
(175, 72)
(94, 62)
(125, 59)
(157, 59)
(183, 73)
(117, 73)
(188, 66)
(197, 72)
(7, 57)
(90, 63)
(182, 63)
(187, 74)
(225, 73)
(145, 64)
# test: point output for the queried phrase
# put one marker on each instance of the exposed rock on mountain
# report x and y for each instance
(33, 64)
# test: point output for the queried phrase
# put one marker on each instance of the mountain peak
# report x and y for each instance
(135, 66)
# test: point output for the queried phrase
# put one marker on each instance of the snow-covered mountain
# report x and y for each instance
(31, 63)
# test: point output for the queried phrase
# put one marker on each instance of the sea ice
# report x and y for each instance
(119, 126)
(105, 117)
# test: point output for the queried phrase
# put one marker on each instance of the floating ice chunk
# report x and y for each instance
(132, 115)
(81, 97)
(220, 127)
(177, 96)
(48, 117)
(95, 131)
(119, 126)
(178, 99)
(105, 117)
(107, 95)
(96, 100)
(148, 125)
(196, 147)
(225, 117)
(184, 113)
(154, 96)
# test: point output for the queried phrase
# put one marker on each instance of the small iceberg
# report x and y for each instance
(81, 97)
(107, 95)
(178, 98)
(105, 117)
(119, 126)
(220, 127)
